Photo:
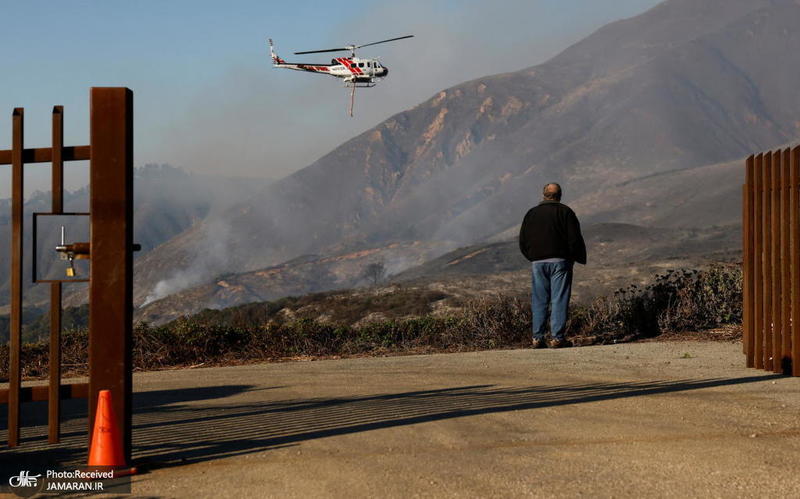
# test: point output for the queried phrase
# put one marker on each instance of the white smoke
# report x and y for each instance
(209, 260)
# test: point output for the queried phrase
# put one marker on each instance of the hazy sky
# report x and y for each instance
(206, 96)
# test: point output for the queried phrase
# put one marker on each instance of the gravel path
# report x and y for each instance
(675, 419)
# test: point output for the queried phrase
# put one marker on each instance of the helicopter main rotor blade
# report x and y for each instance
(351, 47)
(319, 51)
(384, 41)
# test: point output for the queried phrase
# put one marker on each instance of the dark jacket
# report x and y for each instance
(551, 230)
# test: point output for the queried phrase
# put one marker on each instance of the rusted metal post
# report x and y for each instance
(758, 262)
(785, 352)
(767, 237)
(747, 262)
(777, 265)
(795, 241)
(15, 332)
(745, 266)
(111, 288)
(57, 190)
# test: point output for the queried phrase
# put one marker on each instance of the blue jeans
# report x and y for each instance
(551, 284)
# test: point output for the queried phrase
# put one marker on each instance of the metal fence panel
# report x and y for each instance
(771, 261)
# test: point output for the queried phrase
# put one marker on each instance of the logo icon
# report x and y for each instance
(25, 479)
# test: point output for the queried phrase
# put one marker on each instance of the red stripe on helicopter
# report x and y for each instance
(350, 65)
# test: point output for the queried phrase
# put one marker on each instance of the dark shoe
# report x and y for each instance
(538, 344)
(559, 343)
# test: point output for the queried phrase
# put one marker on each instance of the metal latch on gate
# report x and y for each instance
(77, 251)
(72, 252)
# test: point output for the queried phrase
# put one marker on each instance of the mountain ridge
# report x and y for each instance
(680, 88)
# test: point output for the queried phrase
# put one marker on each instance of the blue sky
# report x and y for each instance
(206, 97)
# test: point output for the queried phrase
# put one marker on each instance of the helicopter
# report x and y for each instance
(355, 71)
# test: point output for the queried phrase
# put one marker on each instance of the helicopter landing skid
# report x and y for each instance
(359, 84)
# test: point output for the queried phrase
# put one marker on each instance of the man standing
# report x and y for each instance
(550, 237)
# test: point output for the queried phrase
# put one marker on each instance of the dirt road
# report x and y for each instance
(647, 419)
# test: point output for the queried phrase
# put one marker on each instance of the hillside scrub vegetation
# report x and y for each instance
(689, 300)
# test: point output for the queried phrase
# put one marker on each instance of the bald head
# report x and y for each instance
(552, 192)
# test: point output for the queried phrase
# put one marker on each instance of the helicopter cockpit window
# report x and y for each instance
(361, 64)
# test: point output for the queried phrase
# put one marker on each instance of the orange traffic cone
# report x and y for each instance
(106, 440)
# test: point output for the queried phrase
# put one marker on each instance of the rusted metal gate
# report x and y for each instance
(111, 274)
(771, 261)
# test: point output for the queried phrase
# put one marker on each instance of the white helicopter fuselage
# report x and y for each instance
(349, 69)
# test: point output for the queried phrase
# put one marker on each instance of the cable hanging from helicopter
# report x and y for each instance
(354, 71)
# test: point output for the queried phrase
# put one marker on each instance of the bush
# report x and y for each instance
(685, 300)
(703, 300)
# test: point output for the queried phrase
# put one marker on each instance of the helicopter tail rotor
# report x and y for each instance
(275, 59)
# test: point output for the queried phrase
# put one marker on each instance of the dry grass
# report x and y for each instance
(676, 301)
